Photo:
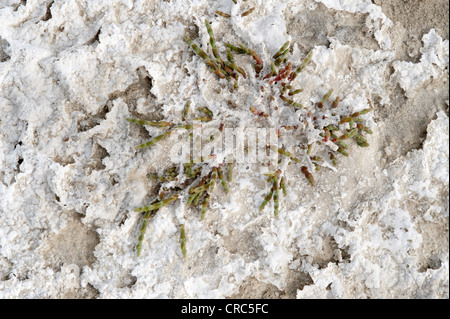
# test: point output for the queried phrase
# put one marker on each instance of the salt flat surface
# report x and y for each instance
(376, 226)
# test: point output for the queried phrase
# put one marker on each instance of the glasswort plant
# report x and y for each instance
(195, 180)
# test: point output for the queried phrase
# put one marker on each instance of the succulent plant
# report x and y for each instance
(196, 179)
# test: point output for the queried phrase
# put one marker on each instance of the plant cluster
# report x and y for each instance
(196, 180)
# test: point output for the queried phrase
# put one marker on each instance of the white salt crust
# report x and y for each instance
(369, 229)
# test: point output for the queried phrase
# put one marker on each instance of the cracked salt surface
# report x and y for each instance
(377, 227)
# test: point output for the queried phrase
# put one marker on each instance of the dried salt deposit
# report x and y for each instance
(70, 178)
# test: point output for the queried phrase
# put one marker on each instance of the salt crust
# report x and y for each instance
(57, 79)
